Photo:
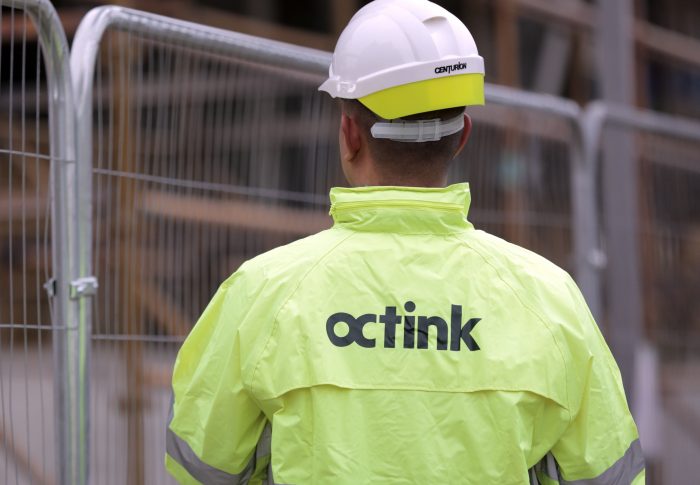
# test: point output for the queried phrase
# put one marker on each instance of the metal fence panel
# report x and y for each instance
(204, 148)
(525, 165)
(663, 350)
(40, 415)
(198, 159)
(199, 148)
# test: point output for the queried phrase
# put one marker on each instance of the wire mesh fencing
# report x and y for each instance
(664, 155)
(26, 356)
(201, 161)
(669, 235)
(203, 157)
(669, 173)
(200, 149)
(519, 163)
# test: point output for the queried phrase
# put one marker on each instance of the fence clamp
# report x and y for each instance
(50, 287)
(83, 287)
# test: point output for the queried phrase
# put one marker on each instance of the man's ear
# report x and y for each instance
(350, 136)
(466, 131)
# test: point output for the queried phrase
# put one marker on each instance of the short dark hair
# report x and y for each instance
(401, 160)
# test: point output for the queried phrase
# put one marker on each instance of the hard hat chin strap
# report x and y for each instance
(417, 131)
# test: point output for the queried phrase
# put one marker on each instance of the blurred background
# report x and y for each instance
(544, 46)
(201, 155)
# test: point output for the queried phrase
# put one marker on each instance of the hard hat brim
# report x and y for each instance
(429, 95)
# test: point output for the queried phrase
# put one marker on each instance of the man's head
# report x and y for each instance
(367, 160)
(404, 70)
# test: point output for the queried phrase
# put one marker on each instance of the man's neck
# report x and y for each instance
(432, 181)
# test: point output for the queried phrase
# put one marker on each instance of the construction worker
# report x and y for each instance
(401, 346)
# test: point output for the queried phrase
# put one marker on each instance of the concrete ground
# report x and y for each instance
(27, 446)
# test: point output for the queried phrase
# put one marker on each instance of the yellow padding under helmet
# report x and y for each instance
(428, 95)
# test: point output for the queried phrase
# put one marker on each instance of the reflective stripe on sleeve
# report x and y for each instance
(550, 467)
(180, 451)
(545, 472)
(623, 470)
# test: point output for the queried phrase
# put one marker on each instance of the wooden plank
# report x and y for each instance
(12, 209)
(572, 12)
(131, 280)
(341, 13)
(553, 61)
(508, 66)
(160, 377)
(670, 44)
(251, 215)
(507, 58)
(162, 308)
(22, 460)
(666, 42)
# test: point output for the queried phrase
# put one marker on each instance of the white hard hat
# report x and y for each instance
(404, 57)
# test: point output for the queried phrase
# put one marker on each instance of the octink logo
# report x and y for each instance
(415, 329)
(460, 66)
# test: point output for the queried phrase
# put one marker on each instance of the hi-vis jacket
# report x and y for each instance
(402, 346)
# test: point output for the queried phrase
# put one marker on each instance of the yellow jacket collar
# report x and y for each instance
(408, 210)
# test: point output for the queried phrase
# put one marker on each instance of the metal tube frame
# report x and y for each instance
(71, 179)
(587, 125)
(312, 61)
(70, 332)
(588, 258)
(594, 119)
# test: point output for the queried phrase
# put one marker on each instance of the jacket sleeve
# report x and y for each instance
(216, 434)
(601, 445)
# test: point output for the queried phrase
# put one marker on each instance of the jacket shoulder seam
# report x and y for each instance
(534, 312)
(284, 303)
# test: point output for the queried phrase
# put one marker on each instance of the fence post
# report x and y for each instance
(620, 226)
(589, 259)
(586, 227)
(623, 290)
(86, 47)
(71, 335)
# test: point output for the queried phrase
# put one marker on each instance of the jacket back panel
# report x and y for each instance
(409, 355)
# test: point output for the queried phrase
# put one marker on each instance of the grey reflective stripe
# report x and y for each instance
(533, 477)
(546, 467)
(623, 471)
(264, 447)
(181, 452)
(550, 467)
